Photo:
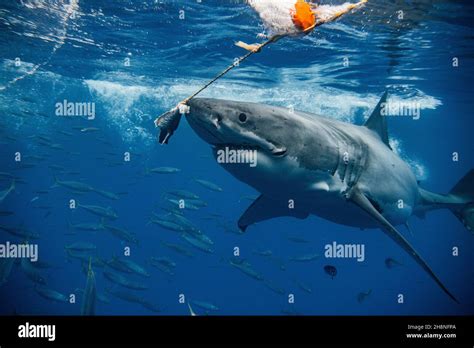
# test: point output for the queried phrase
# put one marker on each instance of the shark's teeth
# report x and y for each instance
(279, 152)
(322, 186)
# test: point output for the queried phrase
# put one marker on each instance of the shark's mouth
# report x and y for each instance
(279, 152)
(276, 151)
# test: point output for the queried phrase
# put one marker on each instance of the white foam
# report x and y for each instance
(419, 169)
(123, 107)
(276, 15)
(117, 95)
(419, 98)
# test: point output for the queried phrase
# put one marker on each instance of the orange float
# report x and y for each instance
(303, 16)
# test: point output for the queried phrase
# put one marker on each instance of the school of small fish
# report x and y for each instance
(173, 219)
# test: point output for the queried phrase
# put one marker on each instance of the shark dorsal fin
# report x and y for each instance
(377, 122)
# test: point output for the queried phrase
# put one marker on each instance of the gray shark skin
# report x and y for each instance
(338, 171)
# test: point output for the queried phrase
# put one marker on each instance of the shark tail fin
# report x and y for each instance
(464, 190)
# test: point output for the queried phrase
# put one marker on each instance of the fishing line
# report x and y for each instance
(71, 8)
(226, 70)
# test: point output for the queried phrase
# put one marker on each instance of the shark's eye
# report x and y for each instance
(242, 117)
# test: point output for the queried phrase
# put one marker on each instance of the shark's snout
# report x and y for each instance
(204, 120)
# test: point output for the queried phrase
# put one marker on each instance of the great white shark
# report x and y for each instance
(341, 172)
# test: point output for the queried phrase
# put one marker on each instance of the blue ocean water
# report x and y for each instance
(135, 60)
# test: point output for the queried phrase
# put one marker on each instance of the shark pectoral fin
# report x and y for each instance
(264, 208)
(363, 202)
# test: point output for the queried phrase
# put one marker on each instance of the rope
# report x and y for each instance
(241, 59)
(229, 68)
